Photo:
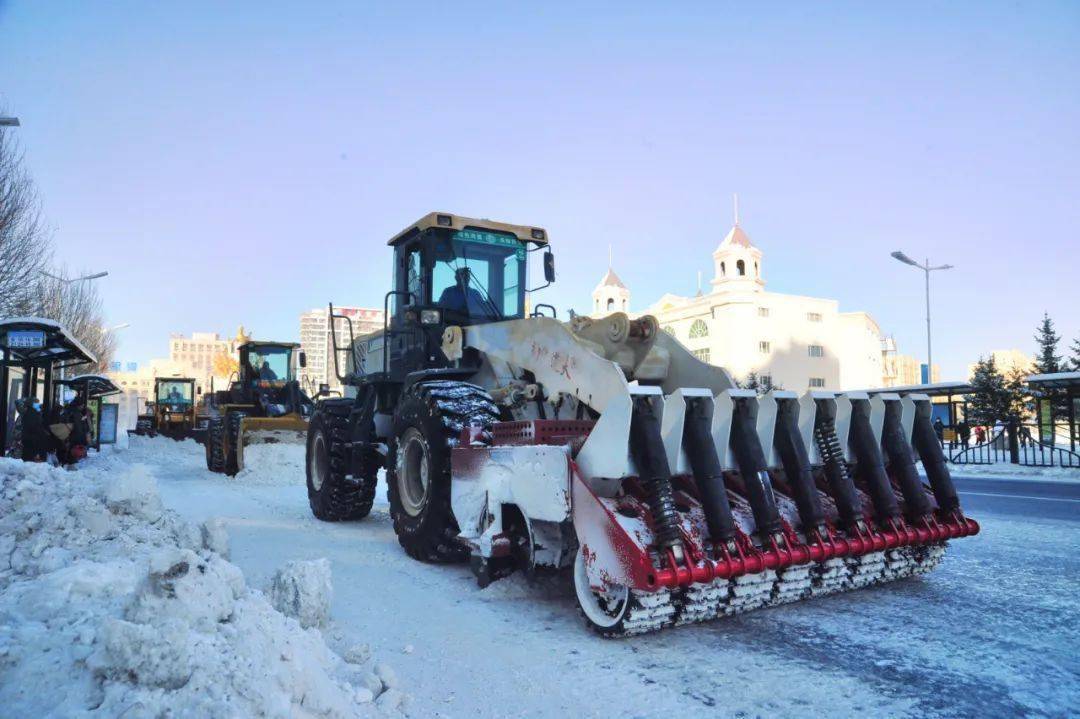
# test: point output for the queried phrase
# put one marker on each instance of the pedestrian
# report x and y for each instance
(964, 431)
(939, 430)
(35, 440)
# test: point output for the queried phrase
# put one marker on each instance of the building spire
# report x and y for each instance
(609, 256)
(735, 197)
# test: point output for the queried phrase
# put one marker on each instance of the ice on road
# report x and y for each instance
(992, 632)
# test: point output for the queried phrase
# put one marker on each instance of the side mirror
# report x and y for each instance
(324, 389)
(549, 266)
(303, 360)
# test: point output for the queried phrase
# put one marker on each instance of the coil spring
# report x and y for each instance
(661, 500)
(832, 454)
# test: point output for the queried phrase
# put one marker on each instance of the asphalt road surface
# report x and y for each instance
(1020, 497)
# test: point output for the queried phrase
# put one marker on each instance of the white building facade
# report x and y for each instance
(796, 342)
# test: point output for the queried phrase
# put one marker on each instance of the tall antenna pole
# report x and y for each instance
(736, 202)
(609, 256)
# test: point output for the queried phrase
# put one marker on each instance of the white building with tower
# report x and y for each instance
(797, 342)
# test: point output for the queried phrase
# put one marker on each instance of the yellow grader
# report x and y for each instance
(606, 449)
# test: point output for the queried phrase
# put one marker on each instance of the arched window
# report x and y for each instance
(610, 304)
(723, 269)
(624, 305)
(670, 330)
(741, 267)
(699, 329)
(757, 271)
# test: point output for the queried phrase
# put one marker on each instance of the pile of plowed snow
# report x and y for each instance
(112, 605)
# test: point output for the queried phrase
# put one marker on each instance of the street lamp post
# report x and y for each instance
(927, 269)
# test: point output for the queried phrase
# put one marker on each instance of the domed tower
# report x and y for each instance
(611, 295)
(738, 262)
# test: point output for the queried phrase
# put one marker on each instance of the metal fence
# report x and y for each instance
(1018, 444)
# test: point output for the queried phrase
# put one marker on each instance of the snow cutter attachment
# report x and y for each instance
(722, 501)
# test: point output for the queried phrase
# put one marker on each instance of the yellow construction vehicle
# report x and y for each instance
(264, 404)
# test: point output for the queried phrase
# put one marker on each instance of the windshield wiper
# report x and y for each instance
(484, 296)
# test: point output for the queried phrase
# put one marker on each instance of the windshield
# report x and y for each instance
(174, 393)
(270, 363)
(480, 273)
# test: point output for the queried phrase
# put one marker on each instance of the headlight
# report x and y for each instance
(430, 317)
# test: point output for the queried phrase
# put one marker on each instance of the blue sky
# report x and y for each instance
(235, 163)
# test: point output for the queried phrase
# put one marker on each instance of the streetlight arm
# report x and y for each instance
(898, 255)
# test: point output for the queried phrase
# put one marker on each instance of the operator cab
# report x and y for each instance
(452, 270)
(174, 395)
(268, 378)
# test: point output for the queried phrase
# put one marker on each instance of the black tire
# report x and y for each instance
(215, 444)
(332, 494)
(232, 457)
(428, 421)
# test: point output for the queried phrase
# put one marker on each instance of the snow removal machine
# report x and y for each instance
(172, 413)
(604, 447)
(264, 404)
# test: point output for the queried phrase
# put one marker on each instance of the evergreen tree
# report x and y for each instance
(1020, 403)
(1048, 360)
(989, 401)
(759, 383)
(1076, 355)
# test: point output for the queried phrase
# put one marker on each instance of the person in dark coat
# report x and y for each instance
(964, 431)
(939, 430)
(35, 438)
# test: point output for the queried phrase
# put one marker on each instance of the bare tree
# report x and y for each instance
(77, 306)
(25, 246)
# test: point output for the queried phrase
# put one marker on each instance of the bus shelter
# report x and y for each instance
(32, 351)
(1057, 407)
(94, 388)
(948, 401)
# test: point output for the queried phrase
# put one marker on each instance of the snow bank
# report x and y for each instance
(112, 605)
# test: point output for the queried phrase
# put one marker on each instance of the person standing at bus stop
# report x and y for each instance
(35, 440)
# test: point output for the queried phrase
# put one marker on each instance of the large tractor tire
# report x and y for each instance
(427, 423)
(233, 421)
(215, 444)
(334, 496)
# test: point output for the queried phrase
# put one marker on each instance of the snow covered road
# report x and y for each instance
(992, 632)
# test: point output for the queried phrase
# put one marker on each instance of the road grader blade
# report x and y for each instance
(689, 502)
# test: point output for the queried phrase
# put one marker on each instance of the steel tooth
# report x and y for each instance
(702, 602)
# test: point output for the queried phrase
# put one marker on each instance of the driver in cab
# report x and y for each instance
(460, 297)
(261, 369)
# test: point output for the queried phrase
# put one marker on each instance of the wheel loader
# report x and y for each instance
(172, 413)
(605, 449)
(264, 404)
